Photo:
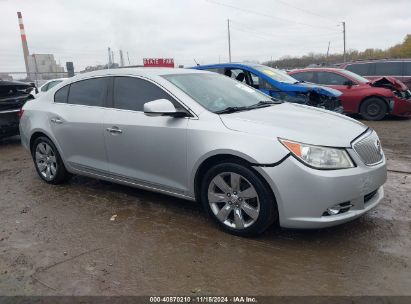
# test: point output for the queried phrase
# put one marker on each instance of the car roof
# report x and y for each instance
(140, 71)
(318, 69)
(230, 64)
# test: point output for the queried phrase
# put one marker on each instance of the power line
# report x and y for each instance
(265, 15)
(245, 27)
(304, 10)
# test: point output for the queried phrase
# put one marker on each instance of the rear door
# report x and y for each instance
(76, 119)
(147, 150)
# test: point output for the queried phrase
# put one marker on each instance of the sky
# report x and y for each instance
(188, 30)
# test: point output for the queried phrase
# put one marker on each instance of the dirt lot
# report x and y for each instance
(59, 240)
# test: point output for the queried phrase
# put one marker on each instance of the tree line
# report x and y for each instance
(401, 50)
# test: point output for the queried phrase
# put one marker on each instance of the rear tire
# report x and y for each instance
(373, 109)
(48, 163)
(238, 199)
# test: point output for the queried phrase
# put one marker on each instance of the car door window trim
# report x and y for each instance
(177, 100)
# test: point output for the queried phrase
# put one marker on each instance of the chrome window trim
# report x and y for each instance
(161, 88)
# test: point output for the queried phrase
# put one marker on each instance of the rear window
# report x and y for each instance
(388, 68)
(62, 94)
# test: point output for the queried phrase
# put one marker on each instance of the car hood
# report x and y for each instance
(311, 87)
(390, 83)
(297, 122)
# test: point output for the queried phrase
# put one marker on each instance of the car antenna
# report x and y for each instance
(196, 62)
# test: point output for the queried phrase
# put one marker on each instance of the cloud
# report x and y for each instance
(81, 30)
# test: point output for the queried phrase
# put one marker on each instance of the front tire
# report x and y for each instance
(48, 162)
(373, 109)
(238, 200)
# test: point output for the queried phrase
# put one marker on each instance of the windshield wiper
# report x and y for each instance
(260, 104)
(231, 110)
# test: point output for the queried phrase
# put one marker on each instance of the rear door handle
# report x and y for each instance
(56, 120)
(114, 130)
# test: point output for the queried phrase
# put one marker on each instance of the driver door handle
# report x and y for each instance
(114, 130)
(56, 120)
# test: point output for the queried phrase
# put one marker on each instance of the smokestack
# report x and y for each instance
(109, 58)
(121, 58)
(24, 42)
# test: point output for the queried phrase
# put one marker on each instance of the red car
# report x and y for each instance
(372, 99)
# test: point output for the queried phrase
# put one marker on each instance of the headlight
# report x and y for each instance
(319, 157)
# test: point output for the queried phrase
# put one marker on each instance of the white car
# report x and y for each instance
(35, 93)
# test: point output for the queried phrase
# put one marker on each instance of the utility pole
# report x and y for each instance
(328, 51)
(128, 59)
(229, 41)
(343, 24)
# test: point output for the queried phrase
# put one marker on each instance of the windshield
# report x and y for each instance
(357, 77)
(275, 74)
(217, 92)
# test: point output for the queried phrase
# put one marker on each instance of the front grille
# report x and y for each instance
(369, 149)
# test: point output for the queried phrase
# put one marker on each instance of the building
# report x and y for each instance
(44, 67)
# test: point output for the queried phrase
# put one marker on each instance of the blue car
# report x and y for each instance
(278, 84)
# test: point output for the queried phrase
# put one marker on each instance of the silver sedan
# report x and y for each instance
(250, 160)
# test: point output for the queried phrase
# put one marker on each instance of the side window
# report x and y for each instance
(90, 92)
(44, 88)
(62, 94)
(52, 84)
(237, 74)
(388, 68)
(260, 84)
(363, 69)
(305, 76)
(328, 78)
(132, 93)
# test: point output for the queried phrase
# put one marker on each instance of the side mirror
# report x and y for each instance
(349, 83)
(162, 107)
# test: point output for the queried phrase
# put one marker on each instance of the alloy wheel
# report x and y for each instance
(233, 200)
(46, 161)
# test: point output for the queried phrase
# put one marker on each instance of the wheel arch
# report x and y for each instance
(383, 98)
(38, 133)
(213, 160)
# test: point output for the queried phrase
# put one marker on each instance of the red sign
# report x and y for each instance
(159, 62)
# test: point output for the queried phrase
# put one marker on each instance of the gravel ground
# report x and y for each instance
(59, 240)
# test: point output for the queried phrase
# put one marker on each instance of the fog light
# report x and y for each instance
(333, 210)
(337, 209)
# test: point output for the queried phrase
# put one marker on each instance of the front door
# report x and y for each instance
(147, 150)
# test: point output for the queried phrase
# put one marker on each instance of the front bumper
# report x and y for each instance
(303, 194)
(401, 107)
(9, 123)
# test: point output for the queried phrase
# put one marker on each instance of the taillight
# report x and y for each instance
(20, 113)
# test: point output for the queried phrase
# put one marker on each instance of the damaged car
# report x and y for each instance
(279, 85)
(372, 99)
(13, 95)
